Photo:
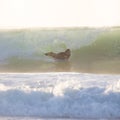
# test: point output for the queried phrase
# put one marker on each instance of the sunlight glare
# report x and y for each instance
(59, 13)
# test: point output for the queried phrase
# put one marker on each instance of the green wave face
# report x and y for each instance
(103, 55)
(106, 45)
(92, 50)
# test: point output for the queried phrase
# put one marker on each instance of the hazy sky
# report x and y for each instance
(59, 13)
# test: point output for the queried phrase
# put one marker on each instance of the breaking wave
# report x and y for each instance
(27, 43)
(60, 95)
(24, 49)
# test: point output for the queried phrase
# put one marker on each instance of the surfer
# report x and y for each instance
(61, 55)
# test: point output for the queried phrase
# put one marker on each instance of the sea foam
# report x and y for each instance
(60, 95)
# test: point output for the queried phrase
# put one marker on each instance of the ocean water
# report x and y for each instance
(36, 87)
(60, 95)
(93, 50)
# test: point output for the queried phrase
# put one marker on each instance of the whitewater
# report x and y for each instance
(60, 95)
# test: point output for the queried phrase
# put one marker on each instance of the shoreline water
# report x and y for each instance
(97, 67)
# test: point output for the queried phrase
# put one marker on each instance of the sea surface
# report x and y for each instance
(37, 87)
(93, 50)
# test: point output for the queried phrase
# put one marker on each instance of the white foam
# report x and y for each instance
(60, 95)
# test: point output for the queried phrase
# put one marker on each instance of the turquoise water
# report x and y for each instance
(94, 50)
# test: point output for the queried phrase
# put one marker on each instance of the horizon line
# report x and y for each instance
(59, 27)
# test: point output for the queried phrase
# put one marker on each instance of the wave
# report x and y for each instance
(93, 50)
(27, 43)
(60, 95)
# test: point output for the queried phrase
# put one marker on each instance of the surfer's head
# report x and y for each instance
(68, 51)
